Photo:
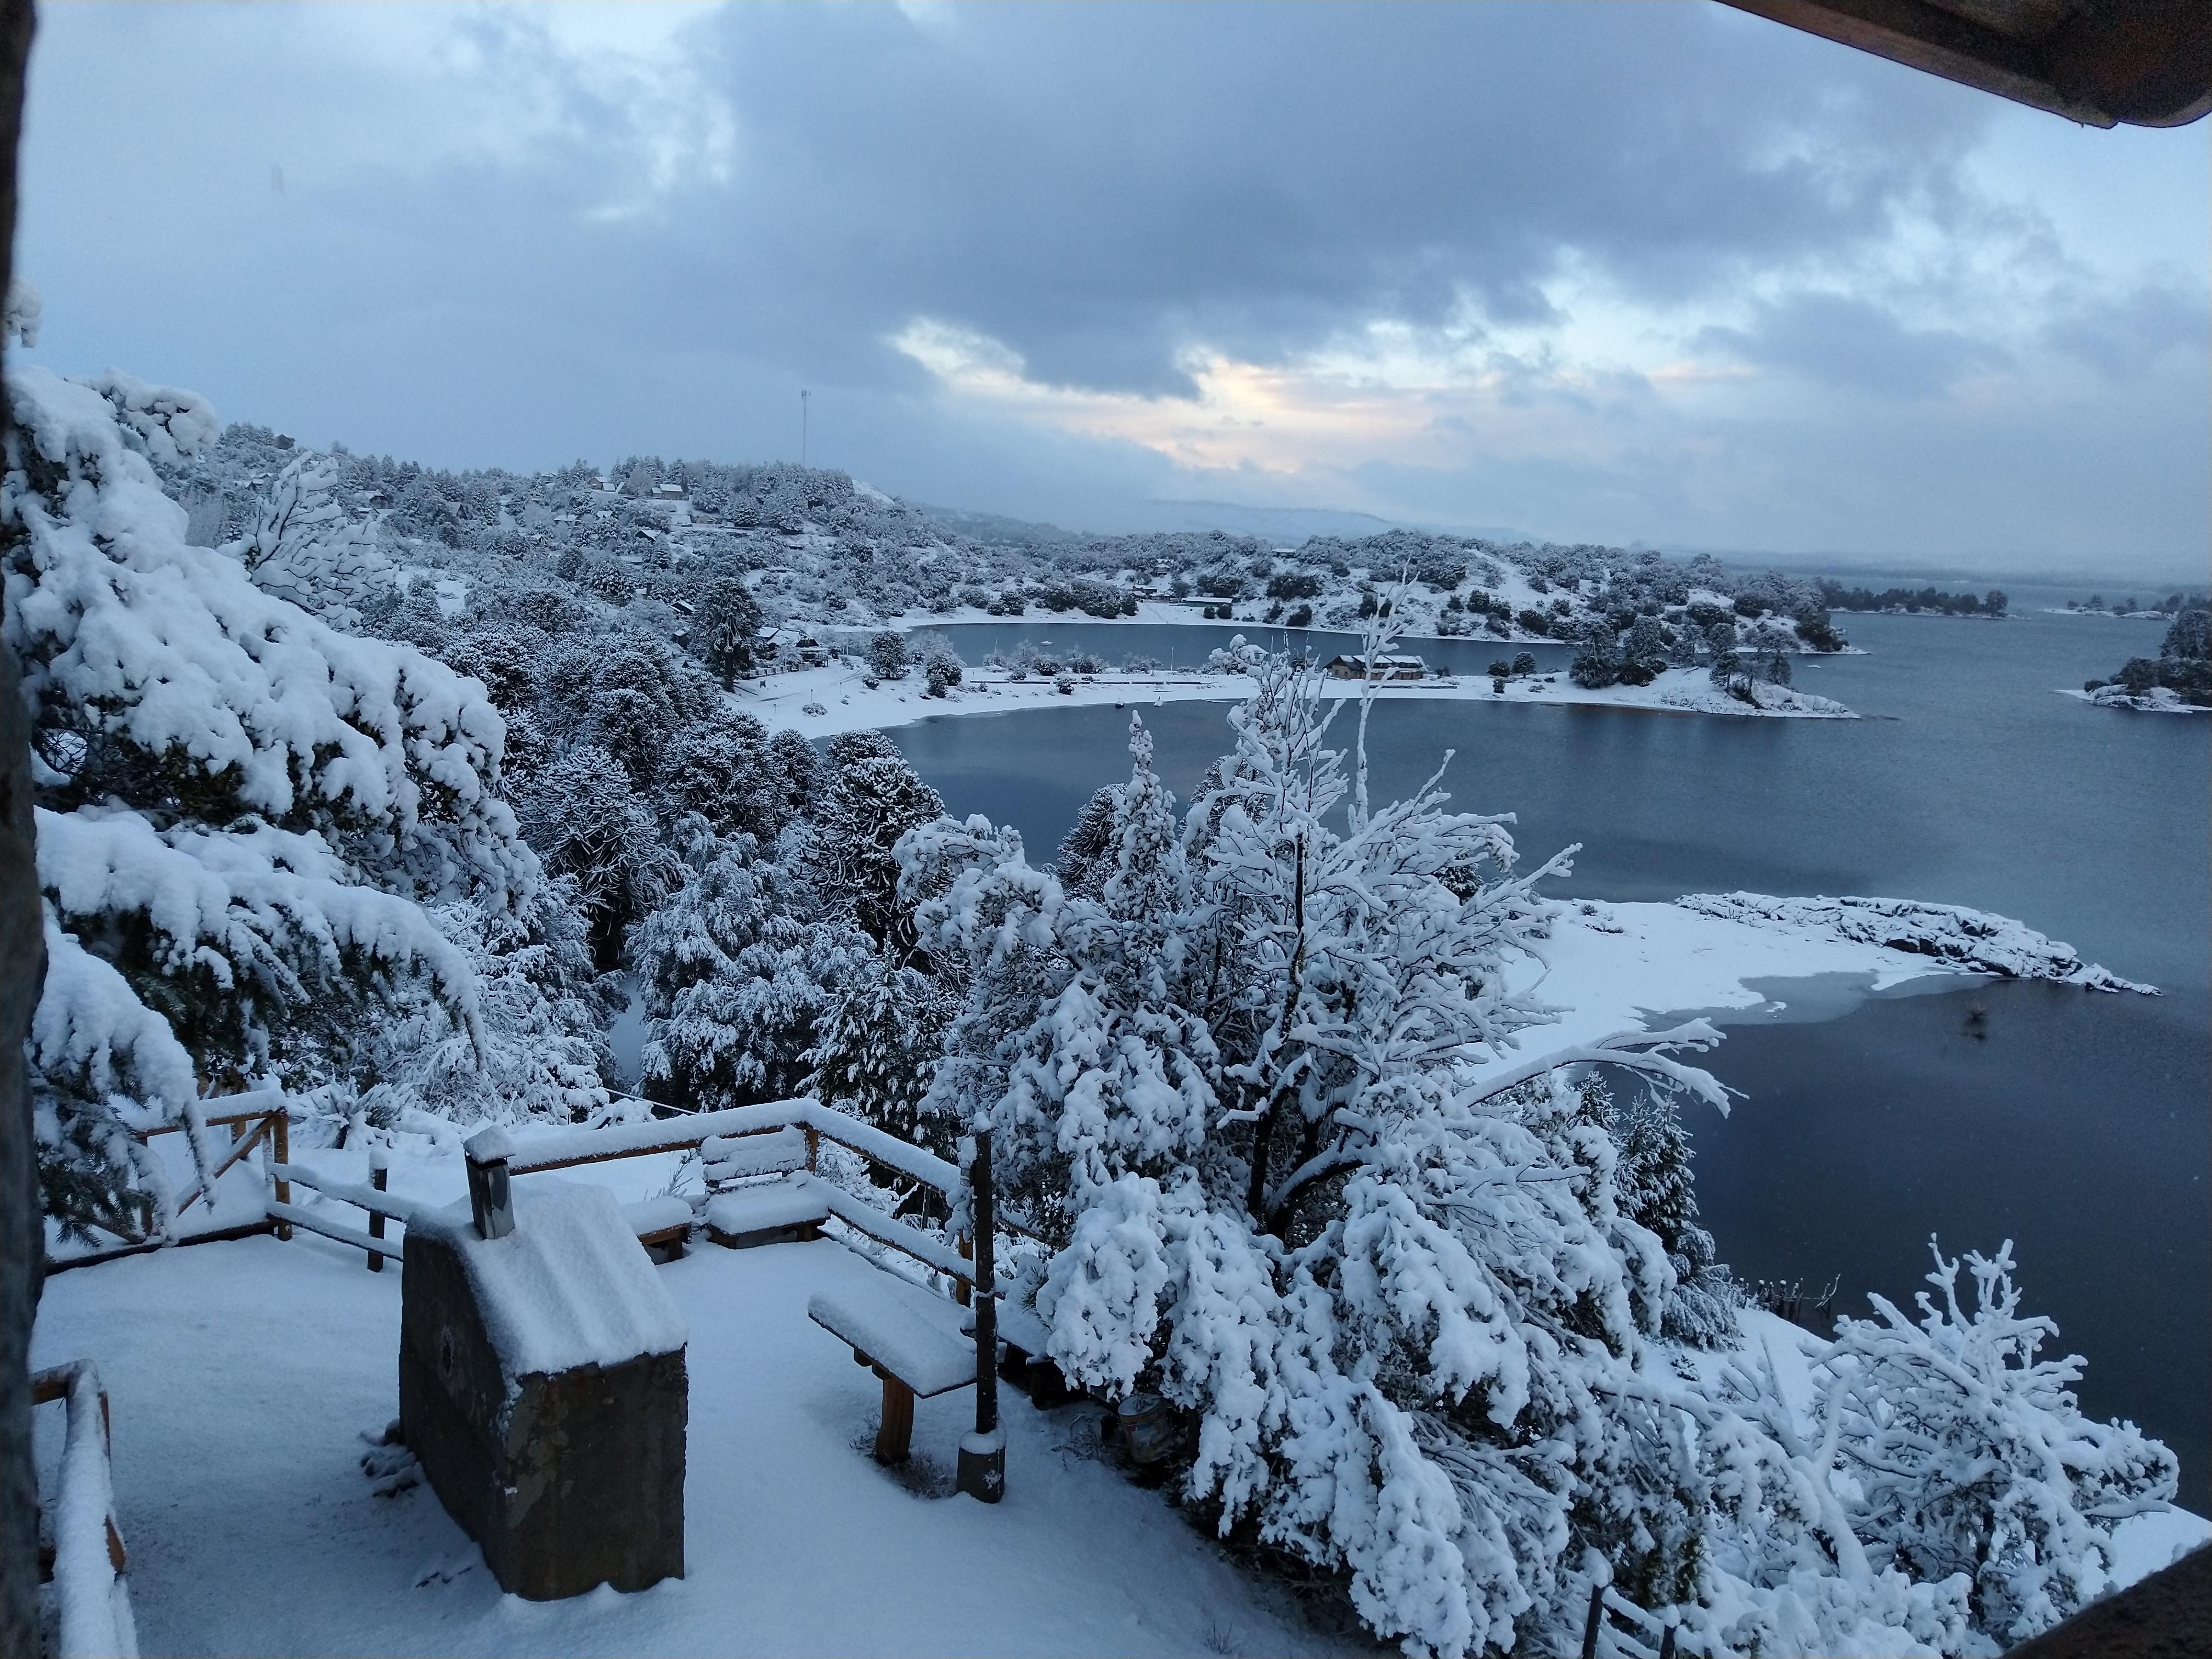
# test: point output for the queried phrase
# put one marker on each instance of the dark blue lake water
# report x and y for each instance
(2074, 1124)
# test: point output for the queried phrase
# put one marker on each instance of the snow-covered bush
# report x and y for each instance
(1969, 1454)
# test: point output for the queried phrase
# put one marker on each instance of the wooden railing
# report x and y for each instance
(269, 1118)
(88, 1559)
(566, 1148)
(260, 1120)
(373, 1198)
(1617, 1628)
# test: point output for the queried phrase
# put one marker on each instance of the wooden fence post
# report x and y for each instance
(982, 1473)
(380, 1175)
(1597, 1617)
(280, 1129)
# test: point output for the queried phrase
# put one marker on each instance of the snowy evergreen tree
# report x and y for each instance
(878, 1049)
(1259, 1093)
(1657, 1193)
(587, 821)
(243, 811)
(741, 970)
(873, 798)
(309, 548)
(728, 621)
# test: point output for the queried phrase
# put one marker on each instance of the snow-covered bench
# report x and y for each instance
(762, 1193)
(1027, 1366)
(913, 1340)
(662, 1226)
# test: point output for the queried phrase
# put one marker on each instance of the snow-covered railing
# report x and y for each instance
(373, 1198)
(568, 1148)
(270, 1115)
(93, 1598)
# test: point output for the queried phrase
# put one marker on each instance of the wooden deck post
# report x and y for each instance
(895, 1435)
(380, 1175)
(280, 1126)
(982, 1473)
(966, 1245)
(1591, 1625)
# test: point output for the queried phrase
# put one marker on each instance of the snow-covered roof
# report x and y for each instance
(570, 1286)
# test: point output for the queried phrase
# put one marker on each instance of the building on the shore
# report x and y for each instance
(1386, 668)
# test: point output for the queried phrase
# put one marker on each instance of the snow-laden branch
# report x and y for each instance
(1645, 1052)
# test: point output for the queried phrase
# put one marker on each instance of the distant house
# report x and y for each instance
(668, 492)
(1386, 668)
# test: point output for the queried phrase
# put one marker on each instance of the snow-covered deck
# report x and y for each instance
(243, 1375)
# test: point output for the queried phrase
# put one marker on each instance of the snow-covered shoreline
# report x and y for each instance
(2156, 701)
(1615, 967)
(820, 702)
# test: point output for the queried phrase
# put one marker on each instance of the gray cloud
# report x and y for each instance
(1839, 341)
(494, 246)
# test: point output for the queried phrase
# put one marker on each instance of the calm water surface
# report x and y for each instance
(2075, 1124)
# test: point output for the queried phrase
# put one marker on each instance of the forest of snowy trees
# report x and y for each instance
(389, 785)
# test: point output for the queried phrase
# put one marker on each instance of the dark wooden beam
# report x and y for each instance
(2143, 63)
(22, 973)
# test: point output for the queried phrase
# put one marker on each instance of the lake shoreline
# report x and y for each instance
(821, 702)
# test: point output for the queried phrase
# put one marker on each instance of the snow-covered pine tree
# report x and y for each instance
(874, 797)
(309, 548)
(1260, 1092)
(878, 1049)
(586, 820)
(728, 619)
(741, 968)
(243, 811)
(1657, 1191)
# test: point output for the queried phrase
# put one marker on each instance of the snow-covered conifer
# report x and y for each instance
(740, 970)
(243, 810)
(1656, 1191)
(586, 820)
(878, 1048)
(308, 548)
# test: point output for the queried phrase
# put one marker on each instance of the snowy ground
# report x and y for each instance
(846, 704)
(241, 1375)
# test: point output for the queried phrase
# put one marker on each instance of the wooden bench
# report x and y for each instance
(662, 1224)
(912, 1339)
(760, 1192)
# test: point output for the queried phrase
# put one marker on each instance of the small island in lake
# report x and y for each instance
(2177, 681)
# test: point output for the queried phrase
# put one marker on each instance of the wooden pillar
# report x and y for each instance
(895, 1436)
(982, 1473)
(379, 1174)
(280, 1127)
(966, 1245)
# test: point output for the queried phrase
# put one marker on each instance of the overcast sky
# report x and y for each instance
(1658, 272)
